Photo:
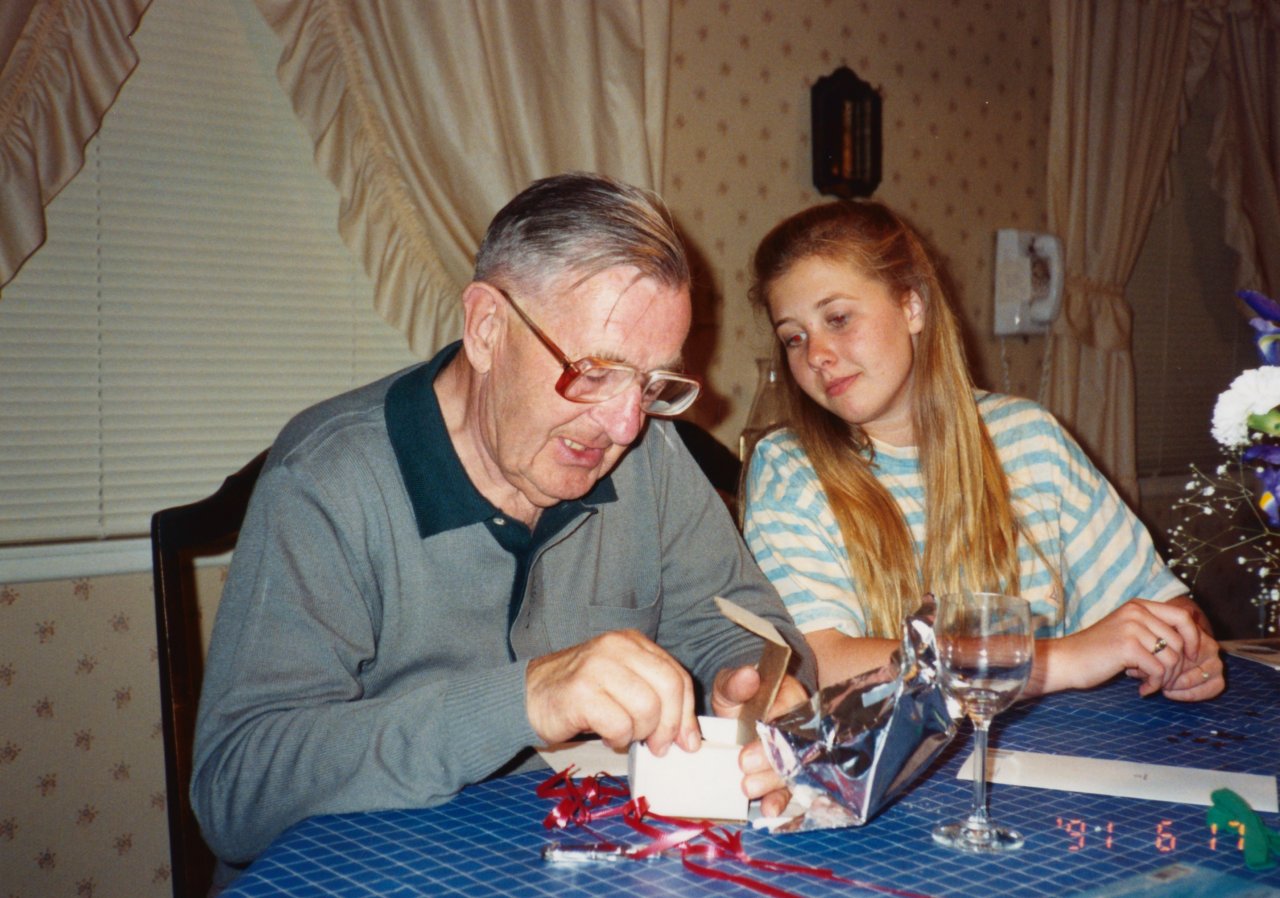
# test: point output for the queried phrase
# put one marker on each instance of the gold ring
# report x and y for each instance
(1159, 646)
(1205, 676)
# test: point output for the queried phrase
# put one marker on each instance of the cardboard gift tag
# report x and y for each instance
(772, 666)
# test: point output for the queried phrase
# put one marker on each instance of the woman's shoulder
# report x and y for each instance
(1032, 442)
(782, 478)
(1003, 414)
(780, 443)
(779, 457)
(990, 403)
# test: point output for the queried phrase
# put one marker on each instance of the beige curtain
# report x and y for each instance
(1120, 83)
(62, 62)
(1245, 148)
(429, 116)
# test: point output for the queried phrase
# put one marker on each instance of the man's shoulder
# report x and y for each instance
(661, 467)
(358, 409)
(653, 457)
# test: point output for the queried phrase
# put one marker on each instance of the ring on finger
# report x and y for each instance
(1205, 676)
(1159, 646)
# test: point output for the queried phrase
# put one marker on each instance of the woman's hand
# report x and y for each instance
(1166, 645)
(1202, 676)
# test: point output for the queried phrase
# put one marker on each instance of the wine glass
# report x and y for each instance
(985, 646)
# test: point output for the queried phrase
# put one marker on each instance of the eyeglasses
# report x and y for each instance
(590, 379)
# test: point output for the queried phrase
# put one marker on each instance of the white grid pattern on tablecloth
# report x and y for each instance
(488, 840)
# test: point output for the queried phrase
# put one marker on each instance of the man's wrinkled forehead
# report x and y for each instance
(627, 305)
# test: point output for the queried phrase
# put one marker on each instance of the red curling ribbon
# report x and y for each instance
(591, 798)
(578, 802)
(726, 844)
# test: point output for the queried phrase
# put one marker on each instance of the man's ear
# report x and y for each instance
(482, 324)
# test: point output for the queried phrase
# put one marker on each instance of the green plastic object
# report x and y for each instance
(1229, 812)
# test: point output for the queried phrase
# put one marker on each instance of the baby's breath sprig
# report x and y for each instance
(1221, 518)
(1225, 497)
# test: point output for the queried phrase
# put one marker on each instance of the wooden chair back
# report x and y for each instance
(179, 535)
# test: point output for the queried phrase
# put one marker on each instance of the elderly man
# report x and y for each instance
(488, 552)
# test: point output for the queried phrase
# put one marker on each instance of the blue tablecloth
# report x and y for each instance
(487, 841)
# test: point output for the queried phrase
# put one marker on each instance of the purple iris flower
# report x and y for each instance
(1267, 453)
(1266, 457)
(1267, 325)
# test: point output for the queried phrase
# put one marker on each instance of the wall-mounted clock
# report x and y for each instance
(846, 135)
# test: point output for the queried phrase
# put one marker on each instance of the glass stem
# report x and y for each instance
(979, 815)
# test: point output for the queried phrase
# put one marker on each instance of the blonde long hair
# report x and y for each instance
(971, 533)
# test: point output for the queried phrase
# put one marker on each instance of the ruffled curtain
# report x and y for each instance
(1245, 148)
(62, 63)
(428, 117)
(1119, 98)
(1124, 72)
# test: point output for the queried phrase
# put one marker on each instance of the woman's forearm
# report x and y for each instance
(841, 657)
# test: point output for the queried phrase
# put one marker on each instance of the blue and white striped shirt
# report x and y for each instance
(1102, 552)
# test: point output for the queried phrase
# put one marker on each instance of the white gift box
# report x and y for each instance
(705, 784)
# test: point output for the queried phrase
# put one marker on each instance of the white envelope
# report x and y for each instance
(1127, 779)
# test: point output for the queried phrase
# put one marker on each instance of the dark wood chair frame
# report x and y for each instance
(179, 535)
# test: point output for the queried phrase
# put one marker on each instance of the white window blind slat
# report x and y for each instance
(193, 293)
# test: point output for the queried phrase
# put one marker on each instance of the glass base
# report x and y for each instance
(977, 839)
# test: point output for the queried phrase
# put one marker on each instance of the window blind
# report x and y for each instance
(192, 294)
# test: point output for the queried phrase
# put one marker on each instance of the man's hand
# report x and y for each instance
(732, 689)
(621, 686)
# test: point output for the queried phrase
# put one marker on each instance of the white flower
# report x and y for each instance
(1255, 392)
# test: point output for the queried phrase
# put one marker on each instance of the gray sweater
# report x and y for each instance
(362, 656)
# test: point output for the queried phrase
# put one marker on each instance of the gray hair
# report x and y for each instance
(578, 225)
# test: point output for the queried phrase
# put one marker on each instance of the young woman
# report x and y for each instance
(896, 477)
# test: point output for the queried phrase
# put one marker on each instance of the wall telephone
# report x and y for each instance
(1028, 282)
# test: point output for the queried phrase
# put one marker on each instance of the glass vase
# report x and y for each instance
(768, 409)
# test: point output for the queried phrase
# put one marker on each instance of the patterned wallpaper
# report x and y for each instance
(82, 791)
(965, 89)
